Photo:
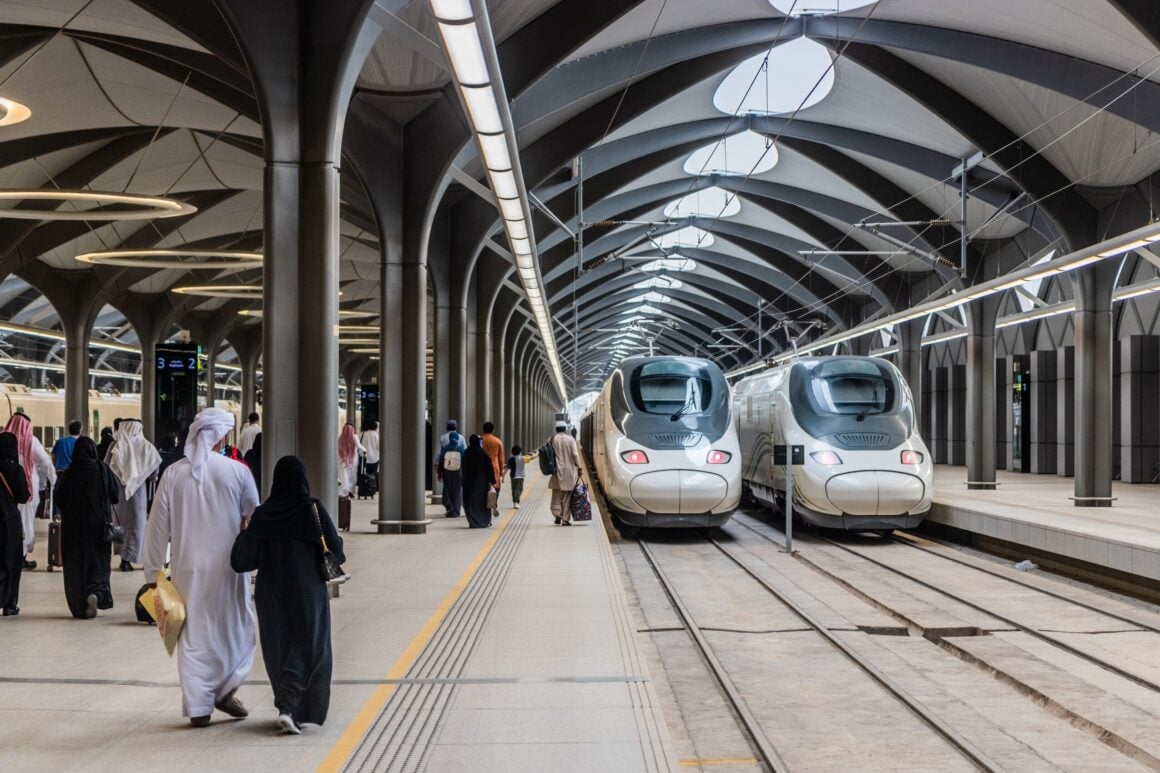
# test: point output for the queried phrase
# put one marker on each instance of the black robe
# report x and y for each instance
(290, 596)
(11, 532)
(85, 495)
(478, 479)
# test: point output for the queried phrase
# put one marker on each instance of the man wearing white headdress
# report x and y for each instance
(134, 460)
(202, 503)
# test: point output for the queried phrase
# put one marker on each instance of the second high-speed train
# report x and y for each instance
(662, 443)
(865, 466)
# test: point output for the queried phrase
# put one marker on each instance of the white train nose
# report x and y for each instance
(700, 492)
(875, 492)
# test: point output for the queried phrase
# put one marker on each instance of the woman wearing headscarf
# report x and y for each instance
(13, 493)
(36, 463)
(478, 479)
(107, 439)
(284, 543)
(253, 458)
(86, 493)
(349, 448)
(134, 460)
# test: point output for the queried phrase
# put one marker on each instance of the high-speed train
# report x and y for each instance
(866, 468)
(662, 443)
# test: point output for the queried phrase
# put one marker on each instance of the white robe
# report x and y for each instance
(199, 521)
(348, 476)
(246, 439)
(42, 468)
(129, 513)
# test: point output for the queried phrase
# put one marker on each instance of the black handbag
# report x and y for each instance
(113, 532)
(330, 568)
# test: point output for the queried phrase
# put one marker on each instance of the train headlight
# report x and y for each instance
(911, 457)
(635, 456)
(828, 458)
(719, 457)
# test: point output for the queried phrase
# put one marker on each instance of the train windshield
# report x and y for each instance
(851, 387)
(672, 388)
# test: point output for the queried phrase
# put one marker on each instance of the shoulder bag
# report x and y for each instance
(330, 568)
(113, 532)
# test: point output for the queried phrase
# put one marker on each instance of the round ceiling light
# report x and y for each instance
(358, 341)
(364, 351)
(214, 260)
(141, 207)
(358, 328)
(221, 291)
(12, 112)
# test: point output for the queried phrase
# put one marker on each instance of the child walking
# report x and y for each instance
(515, 464)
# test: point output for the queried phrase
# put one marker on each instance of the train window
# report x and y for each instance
(672, 388)
(845, 387)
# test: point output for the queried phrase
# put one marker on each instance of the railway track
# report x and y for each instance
(765, 749)
(1015, 624)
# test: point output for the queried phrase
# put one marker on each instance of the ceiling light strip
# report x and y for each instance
(467, 41)
(1109, 248)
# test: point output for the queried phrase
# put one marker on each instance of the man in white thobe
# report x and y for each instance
(199, 509)
(567, 474)
(249, 432)
(370, 442)
(134, 460)
(38, 469)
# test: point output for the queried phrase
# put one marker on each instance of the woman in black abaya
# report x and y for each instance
(478, 479)
(86, 492)
(13, 492)
(283, 544)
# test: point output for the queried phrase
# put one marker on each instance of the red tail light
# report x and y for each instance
(719, 457)
(828, 458)
(911, 457)
(636, 456)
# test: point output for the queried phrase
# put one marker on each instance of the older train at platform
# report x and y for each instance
(865, 465)
(661, 442)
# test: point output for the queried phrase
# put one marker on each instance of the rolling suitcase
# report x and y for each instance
(344, 513)
(54, 544)
(368, 485)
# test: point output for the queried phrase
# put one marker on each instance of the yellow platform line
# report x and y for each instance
(707, 763)
(346, 744)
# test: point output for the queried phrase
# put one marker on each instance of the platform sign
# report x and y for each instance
(789, 457)
(798, 453)
(177, 367)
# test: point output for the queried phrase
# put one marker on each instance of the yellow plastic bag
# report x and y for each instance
(169, 611)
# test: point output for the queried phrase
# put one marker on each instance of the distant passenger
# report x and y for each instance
(249, 432)
(86, 492)
(14, 492)
(515, 465)
(134, 461)
(200, 508)
(62, 450)
(348, 451)
(370, 442)
(495, 451)
(449, 468)
(452, 426)
(105, 444)
(38, 468)
(478, 479)
(284, 544)
(567, 474)
(253, 459)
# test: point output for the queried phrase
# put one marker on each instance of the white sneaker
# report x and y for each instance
(287, 725)
(517, 505)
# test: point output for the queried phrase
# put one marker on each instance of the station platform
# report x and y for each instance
(1033, 516)
(501, 649)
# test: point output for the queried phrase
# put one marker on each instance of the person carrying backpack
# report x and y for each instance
(450, 471)
(515, 465)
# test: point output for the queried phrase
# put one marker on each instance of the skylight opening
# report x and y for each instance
(739, 154)
(1033, 287)
(800, 74)
(672, 264)
(710, 202)
(689, 236)
(823, 7)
